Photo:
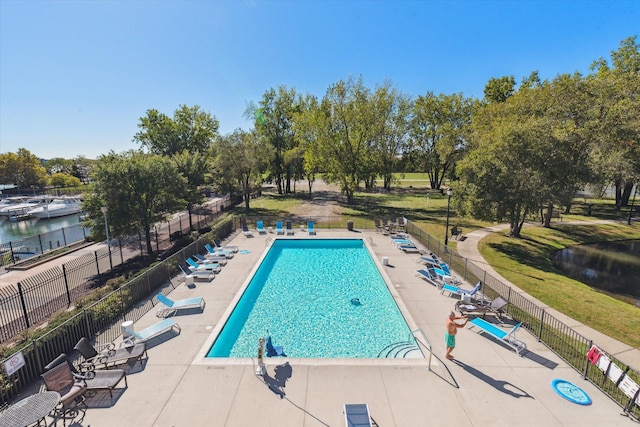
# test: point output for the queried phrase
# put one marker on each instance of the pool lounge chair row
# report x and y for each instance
(288, 228)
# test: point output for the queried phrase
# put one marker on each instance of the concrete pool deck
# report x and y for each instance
(488, 385)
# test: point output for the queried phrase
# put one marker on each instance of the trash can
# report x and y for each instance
(350, 225)
(385, 260)
(127, 329)
(189, 281)
(466, 298)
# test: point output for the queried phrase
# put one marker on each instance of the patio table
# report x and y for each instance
(30, 410)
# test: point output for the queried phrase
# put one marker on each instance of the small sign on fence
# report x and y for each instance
(15, 362)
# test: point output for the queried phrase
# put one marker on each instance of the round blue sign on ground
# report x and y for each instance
(570, 392)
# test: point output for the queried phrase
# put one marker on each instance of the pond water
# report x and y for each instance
(613, 267)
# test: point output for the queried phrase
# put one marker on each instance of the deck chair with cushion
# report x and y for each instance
(106, 379)
(409, 249)
(150, 332)
(508, 338)
(170, 306)
(447, 277)
(311, 229)
(289, 229)
(357, 415)
(429, 275)
(245, 229)
(211, 266)
(232, 248)
(197, 275)
(227, 253)
(260, 227)
(206, 259)
(279, 229)
(108, 355)
(455, 290)
(60, 379)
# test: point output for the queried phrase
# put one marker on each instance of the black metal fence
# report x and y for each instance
(103, 318)
(33, 300)
(568, 344)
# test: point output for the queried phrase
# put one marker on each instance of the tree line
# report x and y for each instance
(521, 148)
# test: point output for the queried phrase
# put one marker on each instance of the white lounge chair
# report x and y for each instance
(227, 253)
(211, 266)
(232, 248)
(197, 275)
(207, 259)
(357, 415)
(170, 306)
(245, 230)
(279, 229)
(430, 276)
(508, 338)
(311, 230)
(260, 227)
(455, 290)
(149, 332)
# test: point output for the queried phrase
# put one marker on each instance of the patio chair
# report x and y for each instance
(260, 227)
(311, 230)
(227, 253)
(60, 379)
(446, 275)
(357, 415)
(95, 380)
(279, 229)
(430, 276)
(481, 308)
(205, 259)
(410, 249)
(455, 290)
(289, 229)
(199, 267)
(150, 332)
(509, 338)
(245, 229)
(197, 275)
(171, 307)
(232, 248)
(108, 354)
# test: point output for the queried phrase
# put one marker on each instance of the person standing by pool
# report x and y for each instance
(452, 330)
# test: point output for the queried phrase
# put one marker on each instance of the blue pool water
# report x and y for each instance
(302, 296)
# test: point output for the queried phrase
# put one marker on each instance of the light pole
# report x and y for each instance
(104, 210)
(446, 228)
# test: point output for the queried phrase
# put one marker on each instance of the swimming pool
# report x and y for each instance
(319, 298)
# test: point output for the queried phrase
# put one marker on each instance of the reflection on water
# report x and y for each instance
(614, 267)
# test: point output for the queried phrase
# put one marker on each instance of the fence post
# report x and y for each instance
(120, 247)
(40, 240)
(88, 324)
(541, 324)
(64, 237)
(95, 255)
(24, 305)
(586, 363)
(66, 284)
(122, 310)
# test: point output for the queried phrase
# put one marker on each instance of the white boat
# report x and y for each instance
(9, 203)
(57, 207)
(20, 209)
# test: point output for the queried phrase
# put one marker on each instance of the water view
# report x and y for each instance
(613, 267)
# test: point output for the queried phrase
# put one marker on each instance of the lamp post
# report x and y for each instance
(446, 229)
(104, 210)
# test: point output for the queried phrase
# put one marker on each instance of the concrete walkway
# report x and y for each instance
(488, 384)
(468, 248)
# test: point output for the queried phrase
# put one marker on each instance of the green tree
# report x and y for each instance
(274, 122)
(499, 89)
(439, 131)
(139, 189)
(240, 159)
(64, 180)
(194, 168)
(22, 169)
(190, 129)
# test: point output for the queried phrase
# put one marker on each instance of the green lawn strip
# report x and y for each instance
(526, 262)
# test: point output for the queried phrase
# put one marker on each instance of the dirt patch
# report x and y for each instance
(324, 202)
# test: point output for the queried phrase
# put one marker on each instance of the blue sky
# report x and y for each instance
(76, 76)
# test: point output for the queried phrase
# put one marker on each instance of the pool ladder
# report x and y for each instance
(268, 241)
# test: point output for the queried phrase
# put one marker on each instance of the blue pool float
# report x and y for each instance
(570, 391)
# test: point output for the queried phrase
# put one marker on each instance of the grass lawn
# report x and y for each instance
(526, 262)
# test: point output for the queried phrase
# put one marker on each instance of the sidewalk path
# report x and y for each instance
(468, 248)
